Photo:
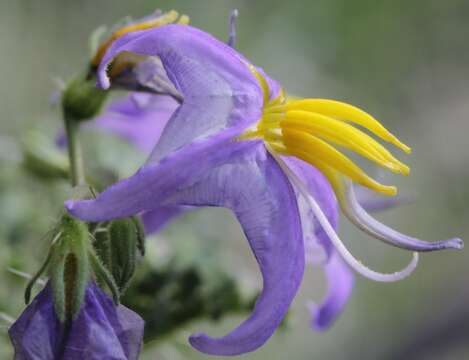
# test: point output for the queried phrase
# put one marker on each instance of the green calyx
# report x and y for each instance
(81, 99)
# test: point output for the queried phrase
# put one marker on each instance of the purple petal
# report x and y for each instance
(151, 75)
(239, 176)
(252, 185)
(36, 334)
(138, 119)
(147, 75)
(218, 88)
(155, 220)
(358, 215)
(155, 183)
(101, 330)
(340, 280)
(322, 191)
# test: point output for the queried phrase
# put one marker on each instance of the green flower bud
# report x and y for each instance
(124, 235)
(82, 100)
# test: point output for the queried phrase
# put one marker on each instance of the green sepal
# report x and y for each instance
(140, 234)
(37, 275)
(56, 278)
(124, 243)
(102, 244)
(104, 276)
(81, 99)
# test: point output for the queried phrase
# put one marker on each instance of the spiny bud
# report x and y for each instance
(82, 100)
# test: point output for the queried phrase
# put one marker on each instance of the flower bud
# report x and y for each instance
(81, 99)
(101, 330)
(125, 240)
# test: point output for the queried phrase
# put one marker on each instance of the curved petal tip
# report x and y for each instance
(319, 321)
(222, 346)
(78, 209)
(455, 243)
(203, 343)
(70, 205)
(103, 81)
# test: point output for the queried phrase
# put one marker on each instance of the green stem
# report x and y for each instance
(77, 174)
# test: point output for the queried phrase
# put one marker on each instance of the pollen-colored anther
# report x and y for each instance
(311, 149)
(262, 82)
(342, 134)
(349, 113)
(183, 20)
(308, 129)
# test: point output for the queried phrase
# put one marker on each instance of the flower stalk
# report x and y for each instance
(77, 173)
(81, 101)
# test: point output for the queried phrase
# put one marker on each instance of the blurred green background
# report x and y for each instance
(404, 61)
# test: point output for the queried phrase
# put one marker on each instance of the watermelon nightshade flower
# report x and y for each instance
(237, 141)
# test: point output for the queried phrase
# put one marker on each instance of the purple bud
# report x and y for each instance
(100, 331)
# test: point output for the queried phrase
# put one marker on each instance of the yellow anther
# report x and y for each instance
(279, 100)
(262, 82)
(345, 135)
(123, 61)
(183, 20)
(311, 149)
(166, 18)
(308, 129)
(346, 112)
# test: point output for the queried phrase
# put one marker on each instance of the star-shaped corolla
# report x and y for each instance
(236, 141)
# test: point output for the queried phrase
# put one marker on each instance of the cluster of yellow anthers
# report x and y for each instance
(308, 129)
(170, 17)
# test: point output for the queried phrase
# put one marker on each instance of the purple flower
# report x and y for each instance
(237, 142)
(100, 331)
